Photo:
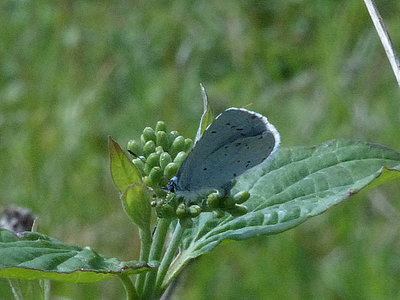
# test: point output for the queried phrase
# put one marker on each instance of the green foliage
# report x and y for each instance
(136, 202)
(124, 172)
(290, 187)
(74, 73)
(294, 185)
(35, 255)
(299, 183)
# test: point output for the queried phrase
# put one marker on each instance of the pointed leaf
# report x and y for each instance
(123, 171)
(136, 203)
(299, 183)
(207, 118)
(34, 256)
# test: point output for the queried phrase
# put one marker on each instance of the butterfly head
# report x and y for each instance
(171, 185)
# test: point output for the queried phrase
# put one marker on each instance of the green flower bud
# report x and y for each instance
(139, 164)
(149, 147)
(181, 210)
(155, 176)
(241, 197)
(194, 210)
(180, 157)
(188, 145)
(214, 200)
(159, 150)
(238, 210)
(165, 159)
(149, 134)
(153, 160)
(228, 202)
(160, 126)
(172, 135)
(177, 145)
(142, 139)
(135, 147)
(163, 209)
(147, 168)
(162, 140)
(170, 170)
(166, 211)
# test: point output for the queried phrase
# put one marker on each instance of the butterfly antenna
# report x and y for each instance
(133, 153)
(136, 156)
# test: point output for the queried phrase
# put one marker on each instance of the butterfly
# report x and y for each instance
(236, 141)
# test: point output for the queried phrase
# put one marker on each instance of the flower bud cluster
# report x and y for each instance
(158, 156)
(229, 203)
(174, 206)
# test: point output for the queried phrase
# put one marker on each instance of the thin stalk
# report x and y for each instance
(145, 244)
(155, 255)
(16, 290)
(175, 268)
(130, 290)
(385, 38)
(45, 285)
(30, 289)
(168, 257)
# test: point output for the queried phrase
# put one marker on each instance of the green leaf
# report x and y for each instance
(298, 183)
(35, 256)
(136, 203)
(123, 171)
(207, 118)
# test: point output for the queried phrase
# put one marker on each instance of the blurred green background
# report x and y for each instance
(74, 72)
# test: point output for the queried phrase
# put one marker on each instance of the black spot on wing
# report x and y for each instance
(235, 142)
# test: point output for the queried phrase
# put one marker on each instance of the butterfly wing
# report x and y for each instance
(236, 141)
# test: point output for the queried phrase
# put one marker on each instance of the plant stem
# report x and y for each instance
(155, 255)
(145, 239)
(385, 39)
(30, 289)
(168, 257)
(130, 290)
(174, 269)
(16, 290)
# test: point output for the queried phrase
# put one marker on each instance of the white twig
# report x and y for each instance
(385, 39)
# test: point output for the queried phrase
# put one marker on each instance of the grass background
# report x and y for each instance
(74, 72)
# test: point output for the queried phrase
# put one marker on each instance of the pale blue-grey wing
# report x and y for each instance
(236, 141)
